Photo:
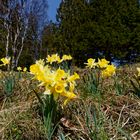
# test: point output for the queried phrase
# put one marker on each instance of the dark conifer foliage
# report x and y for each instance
(100, 28)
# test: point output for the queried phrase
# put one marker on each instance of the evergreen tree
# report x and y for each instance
(117, 27)
(73, 16)
(100, 27)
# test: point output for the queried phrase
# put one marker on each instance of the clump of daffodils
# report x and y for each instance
(56, 82)
(53, 58)
(107, 70)
(22, 69)
(56, 58)
(66, 57)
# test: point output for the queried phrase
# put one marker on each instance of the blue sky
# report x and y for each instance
(53, 5)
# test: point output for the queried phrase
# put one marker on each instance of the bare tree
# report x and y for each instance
(20, 16)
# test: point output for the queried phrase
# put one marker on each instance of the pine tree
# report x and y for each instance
(100, 28)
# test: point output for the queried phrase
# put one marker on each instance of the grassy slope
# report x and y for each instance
(114, 114)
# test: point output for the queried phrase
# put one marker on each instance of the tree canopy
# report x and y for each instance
(100, 28)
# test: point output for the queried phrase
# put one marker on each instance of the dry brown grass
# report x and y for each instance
(117, 116)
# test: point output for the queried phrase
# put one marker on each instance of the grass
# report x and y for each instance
(111, 114)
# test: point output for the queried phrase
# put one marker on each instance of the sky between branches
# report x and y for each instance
(53, 5)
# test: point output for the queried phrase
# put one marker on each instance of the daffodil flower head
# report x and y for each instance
(69, 96)
(59, 87)
(71, 87)
(102, 63)
(40, 62)
(73, 77)
(24, 69)
(49, 59)
(19, 68)
(38, 70)
(91, 63)
(6, 60)
(109, 71)
(60, 74)
(34, 69)
(53, 58)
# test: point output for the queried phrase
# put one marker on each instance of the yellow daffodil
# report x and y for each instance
(66, 57)
(102, 63)
(19, 68)
(40, 62)
(40, 76)
(73, 77)
(109, 71)
(53, 58)
(69, 95)
(56, 58)
(138, 69)
(59, 87)
(49, 59)
(24, 69)
(71, 87)
(6, 60)
(34, 69)
(38, 70)
(60, 74)
(37, 67)
(91, 63)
